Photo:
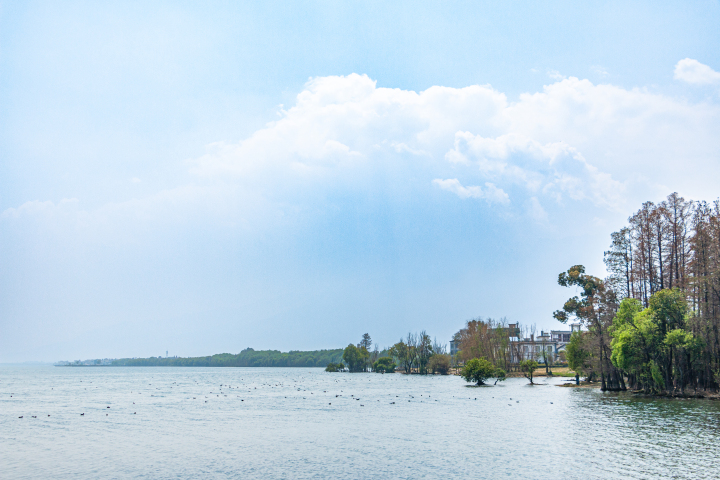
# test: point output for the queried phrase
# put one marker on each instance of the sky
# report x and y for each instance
(203, 177)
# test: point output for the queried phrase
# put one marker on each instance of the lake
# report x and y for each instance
(183, 423)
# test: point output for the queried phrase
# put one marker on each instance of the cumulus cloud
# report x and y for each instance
(691, 71)
(572, 142)
(554, 168)
(491, 193)
(345, 121)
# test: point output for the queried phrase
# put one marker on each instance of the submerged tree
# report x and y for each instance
(478, 370)
(335, 367)
(528, 367)
(384, 365)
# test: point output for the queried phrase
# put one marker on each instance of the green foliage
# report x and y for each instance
(424, 352)
(335, 367)
(384, 365)
(580, 307)
(355, 358)
(578, 354)
(669, 308)
(403, 354)
(246, 358)
(478, 370)
(528, 367)
(653, 345)
(439, 363)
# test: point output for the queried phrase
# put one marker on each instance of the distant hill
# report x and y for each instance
(246, 358)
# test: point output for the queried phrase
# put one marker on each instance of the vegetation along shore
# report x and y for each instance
(651, 326)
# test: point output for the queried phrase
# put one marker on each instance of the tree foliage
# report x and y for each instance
(478, 370)
(528, 368)
(384, 365)
(579, 354)
(246, 358)
(439, 363)
(594, 309)
(335, 367)
(487, 338)
(662, 335)
(355, 358)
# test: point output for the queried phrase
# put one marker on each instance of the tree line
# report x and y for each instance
(416, 353)
(654, 323)
(246, 358)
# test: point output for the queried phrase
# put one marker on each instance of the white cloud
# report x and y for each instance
(491, 193)
(691, 71)
(572, 142)
(40, 208)
(554, 168)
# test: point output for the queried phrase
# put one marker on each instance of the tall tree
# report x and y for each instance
(595, 309)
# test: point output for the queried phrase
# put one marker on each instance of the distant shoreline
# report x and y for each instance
(193, 366)
(246, 358)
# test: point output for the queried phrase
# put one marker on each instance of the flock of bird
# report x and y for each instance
(248, 391)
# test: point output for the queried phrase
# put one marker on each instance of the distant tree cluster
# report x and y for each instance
(246, 358)
(488, 339)
(653, 324)
(415, 354)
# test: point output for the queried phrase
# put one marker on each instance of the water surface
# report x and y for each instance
(183, 423)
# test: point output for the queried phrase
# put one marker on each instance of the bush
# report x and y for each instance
(478, 370)
(335, 367)
(384, 365)
(528, 367)
(439, 364)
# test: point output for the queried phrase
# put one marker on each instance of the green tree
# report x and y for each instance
(478, 370)
(355, 358)
(384, 365)
(366, 341)
(528, 367)
(652, 345)
(578, 356)
(401, 353)
(424, 351)
(439, 363)
(335, 367)
(595, 308)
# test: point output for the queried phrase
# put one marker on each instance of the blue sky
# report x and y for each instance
(203, 177)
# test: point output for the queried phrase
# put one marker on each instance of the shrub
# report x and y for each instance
(335, 367)
(439, 364)
(384, 365)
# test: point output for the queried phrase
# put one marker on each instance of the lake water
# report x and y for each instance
(178, 423)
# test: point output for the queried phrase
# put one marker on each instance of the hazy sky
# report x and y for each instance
(200, 177)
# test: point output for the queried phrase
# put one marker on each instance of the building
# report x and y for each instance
(553, 343)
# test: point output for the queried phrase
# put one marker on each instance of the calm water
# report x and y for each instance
(290, 423)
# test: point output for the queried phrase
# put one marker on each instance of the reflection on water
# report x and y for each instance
(305, 423)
